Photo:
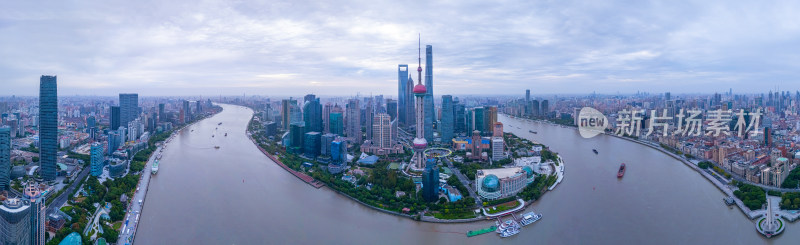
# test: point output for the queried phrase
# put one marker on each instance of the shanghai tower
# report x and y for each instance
(429, 110)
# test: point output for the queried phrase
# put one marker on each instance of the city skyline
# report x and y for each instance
(275, 48)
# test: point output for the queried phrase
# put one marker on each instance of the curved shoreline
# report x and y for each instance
(315, 183)
(750, 214)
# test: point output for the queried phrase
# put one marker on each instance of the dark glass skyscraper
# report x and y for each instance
(430, 181)
(479, 119)
(128, 108)
(296, 134)
(391, 108)
(545, 109)
(429, 110)
(402, 91)
(312, 114)
(115, 118)
(337, 123)
(48, 127)
(162, 117)
(411, 118)
(311, 142)
(460, 117)
(534, 108)
(5, 158)
(448, 119)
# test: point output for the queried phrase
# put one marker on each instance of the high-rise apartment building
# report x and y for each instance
(381, 130)
(286, 112)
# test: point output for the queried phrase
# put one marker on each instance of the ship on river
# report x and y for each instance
(154, 169)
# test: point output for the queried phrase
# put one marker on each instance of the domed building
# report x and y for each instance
(490, 183)
(503, 182)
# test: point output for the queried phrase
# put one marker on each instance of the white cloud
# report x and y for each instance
(348, 47)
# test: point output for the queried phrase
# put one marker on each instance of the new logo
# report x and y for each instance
(591, 122)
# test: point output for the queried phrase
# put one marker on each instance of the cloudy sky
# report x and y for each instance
(342, 48)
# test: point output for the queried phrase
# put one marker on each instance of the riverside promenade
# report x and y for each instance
(302, 176)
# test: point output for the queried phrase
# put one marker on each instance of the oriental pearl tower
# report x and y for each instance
(419, 93)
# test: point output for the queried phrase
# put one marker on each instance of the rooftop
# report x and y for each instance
(499, 172)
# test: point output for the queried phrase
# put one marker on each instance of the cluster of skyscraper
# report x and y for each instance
(529, 107)
(405, 103)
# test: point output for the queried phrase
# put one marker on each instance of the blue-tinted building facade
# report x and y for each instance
(337, 123)
(48, 127)
(338, 152)
(296, 134)
(115, 118)
(113, 141)
(128, 108)
(428, 100)
(311, 144)
(97, 159)
(312, 114)
(448, 119)
(5, 158)
(459, 112)
(402, 90)
(430, 181)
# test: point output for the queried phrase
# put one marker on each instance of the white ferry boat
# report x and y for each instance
(508, 228)
(530, 218)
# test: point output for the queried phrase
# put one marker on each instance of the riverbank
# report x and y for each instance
(750, 214)
(302, 176)
(135, 207)
(317, 184)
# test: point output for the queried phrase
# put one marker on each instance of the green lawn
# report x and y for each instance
(502, 207)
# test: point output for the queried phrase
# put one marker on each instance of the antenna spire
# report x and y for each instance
(419, 58)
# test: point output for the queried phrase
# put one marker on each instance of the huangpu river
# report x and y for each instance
(236, 195)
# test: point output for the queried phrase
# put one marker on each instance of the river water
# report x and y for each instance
(236, 195)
